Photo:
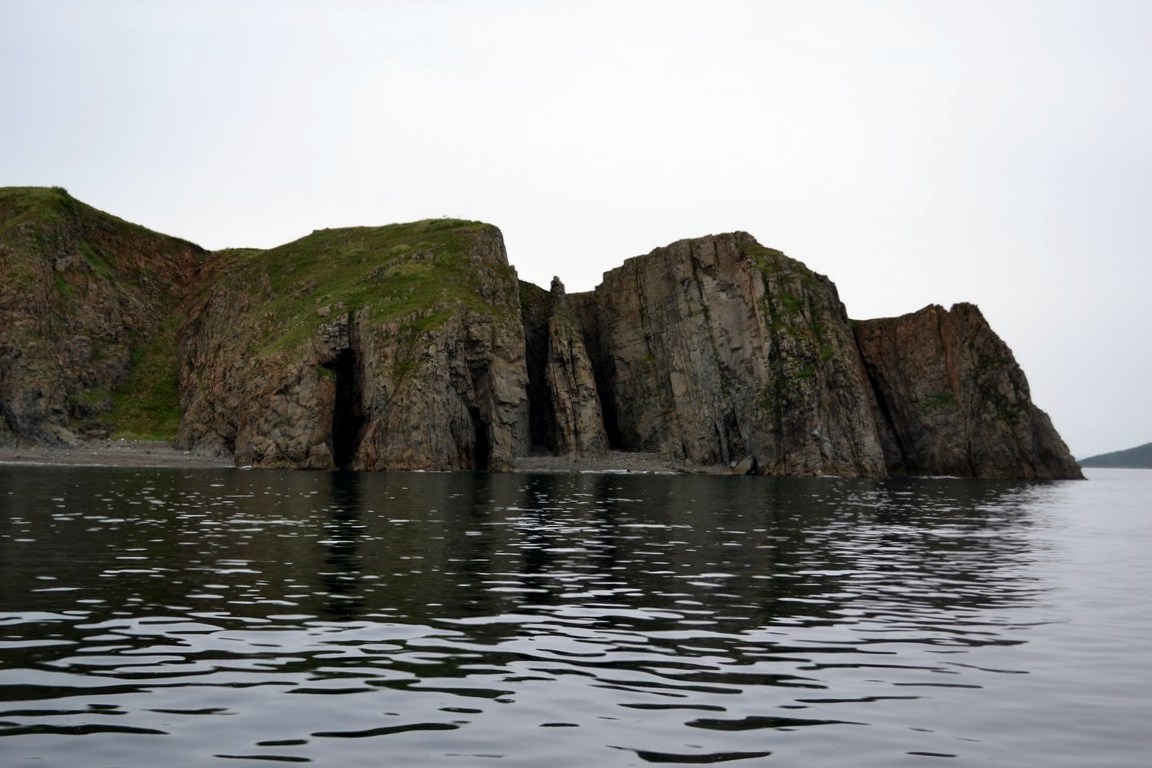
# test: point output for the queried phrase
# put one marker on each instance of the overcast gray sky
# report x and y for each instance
(915, 152)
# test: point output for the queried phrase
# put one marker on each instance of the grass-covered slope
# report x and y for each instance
(392, 272)
(87, 312)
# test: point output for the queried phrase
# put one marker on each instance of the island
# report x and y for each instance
(1139, 457)
(416, 346)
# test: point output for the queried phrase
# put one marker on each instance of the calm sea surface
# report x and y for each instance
(167, 617)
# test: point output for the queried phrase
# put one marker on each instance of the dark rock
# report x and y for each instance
(951, 399)
(716, 349)
(571, 383)
(374, 348)
(414, 346)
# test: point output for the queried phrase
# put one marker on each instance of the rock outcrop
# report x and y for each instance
(394, 347)
(718, 351)
(414, 346)
(951, 399)
(571, 384)
(87, 303)
(565, 412)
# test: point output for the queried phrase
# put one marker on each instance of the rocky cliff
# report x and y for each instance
(718, 351)
(414, 346)
(395, 347)
(566, 415)
(88, 306)
(951, 399)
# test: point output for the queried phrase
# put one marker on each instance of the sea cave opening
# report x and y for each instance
(482, 447)
(347, 410)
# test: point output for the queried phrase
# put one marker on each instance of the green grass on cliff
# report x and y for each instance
(50, 239)
(793, 309)
(89, 275)
(30, 220)
(56, 247)
(147, 406)
(38, 214)
(22, 207)
(403, 271)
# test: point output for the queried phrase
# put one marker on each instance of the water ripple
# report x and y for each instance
(585, 620)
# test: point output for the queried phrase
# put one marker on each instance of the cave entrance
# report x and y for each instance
(479, 412)
(347, 410)
(482, 447)
(604, 387)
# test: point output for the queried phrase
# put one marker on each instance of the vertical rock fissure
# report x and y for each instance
(348, 409)
(536, 308)
(894, 464)
(721, 404)
(604, 378)
(482, 444)
(480, 413)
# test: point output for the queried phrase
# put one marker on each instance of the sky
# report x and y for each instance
(997, 152)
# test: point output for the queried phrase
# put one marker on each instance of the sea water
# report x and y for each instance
(168, 617)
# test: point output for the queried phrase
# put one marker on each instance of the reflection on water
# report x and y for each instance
(445, 619)
(342, 577)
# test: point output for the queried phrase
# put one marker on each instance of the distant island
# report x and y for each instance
(1139, 457)
(416, 346)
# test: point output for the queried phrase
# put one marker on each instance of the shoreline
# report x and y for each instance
(110, 453)
(155, 453)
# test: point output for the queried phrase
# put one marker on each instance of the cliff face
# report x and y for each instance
(571, 384)
(86, 345)
(414, 346)
(951, 399)
(565, 410)
(394, 347)
(719, 351)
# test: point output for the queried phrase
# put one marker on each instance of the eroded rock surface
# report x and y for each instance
(951, 399)
(571, 384)
(414, 346)
(384, 348)
(718, 351)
